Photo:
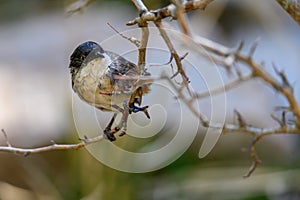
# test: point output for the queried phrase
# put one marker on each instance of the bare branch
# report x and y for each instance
(133, 40)
(257, 71)
(142, 49)
(185, 100)
(228, 86)
(145, 35)
(27, 151)
(164, 35)
(180, 17)
(168, 11)
(255, 160)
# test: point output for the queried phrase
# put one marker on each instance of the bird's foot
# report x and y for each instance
(134, 109)
(122, 133)
(108, 134)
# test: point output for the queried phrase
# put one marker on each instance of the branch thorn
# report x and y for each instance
(240, 119)
(6, 138)
(253, 48)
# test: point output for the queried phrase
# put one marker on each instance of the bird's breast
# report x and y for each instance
(93, 85)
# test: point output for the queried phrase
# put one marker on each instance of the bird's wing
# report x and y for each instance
(121, 66)
(125, 75)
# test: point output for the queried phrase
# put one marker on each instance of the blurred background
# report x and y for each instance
(37, 38)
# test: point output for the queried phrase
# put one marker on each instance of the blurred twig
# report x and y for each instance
(77, 6)
(228, 86)
(292, 7)
(180, 16)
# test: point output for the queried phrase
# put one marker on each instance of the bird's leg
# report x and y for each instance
(129, 107)
(107, 131)
(136, 98)
(125, 119)
(123, 123)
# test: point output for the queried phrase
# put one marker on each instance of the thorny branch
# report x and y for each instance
(142, 22)
(168, 11)
(292, 7)
(257, 71)
(228, 57)
(222, 55)
(53, 146)
(180, 70)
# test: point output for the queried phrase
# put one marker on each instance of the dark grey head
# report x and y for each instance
(83, 54)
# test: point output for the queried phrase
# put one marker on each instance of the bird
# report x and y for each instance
(108, 82)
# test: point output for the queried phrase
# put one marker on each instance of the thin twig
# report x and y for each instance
(27, 151)
(180, 70)
(133, 40)
(255, 160)
(228, 86)
(188, 102)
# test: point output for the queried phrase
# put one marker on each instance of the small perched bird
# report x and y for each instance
(109, 82)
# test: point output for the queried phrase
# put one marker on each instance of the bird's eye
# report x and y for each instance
(82, 58)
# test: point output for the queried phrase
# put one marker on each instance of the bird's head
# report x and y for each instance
(83, 54)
